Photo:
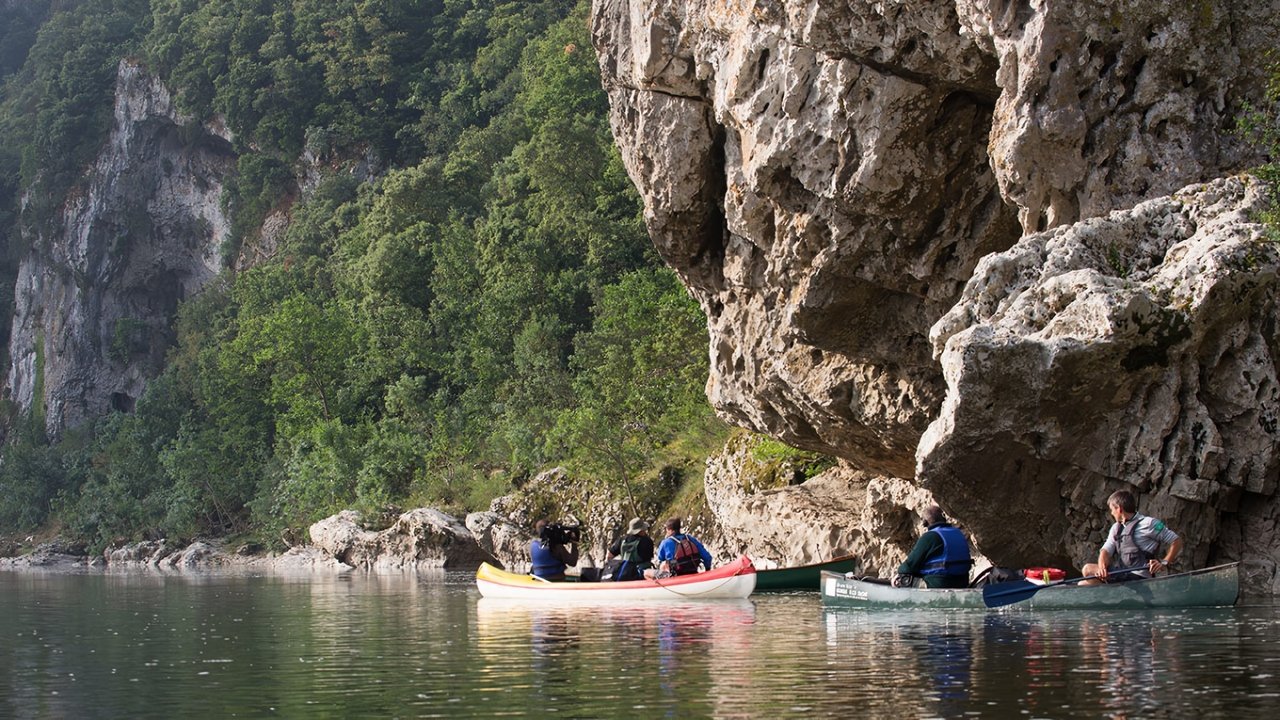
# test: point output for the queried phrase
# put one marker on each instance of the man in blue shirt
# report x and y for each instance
(679, 554)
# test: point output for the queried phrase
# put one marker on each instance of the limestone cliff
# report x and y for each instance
(96, 296)
(895, 215)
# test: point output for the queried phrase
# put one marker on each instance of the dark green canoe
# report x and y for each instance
(1210, 587)
(803, 577)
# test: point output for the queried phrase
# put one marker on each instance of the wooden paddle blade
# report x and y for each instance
(1008, 593)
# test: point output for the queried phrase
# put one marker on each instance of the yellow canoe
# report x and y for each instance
(734, 580)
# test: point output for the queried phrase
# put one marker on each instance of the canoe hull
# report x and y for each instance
(803, 577)
(1210, 587)
(733, 581)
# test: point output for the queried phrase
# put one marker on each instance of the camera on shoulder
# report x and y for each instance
(559, 534)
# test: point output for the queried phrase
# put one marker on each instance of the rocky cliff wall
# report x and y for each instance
(1138, 347)
(828, 177)
(96, 296)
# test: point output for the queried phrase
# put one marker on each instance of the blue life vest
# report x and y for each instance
(545, 565)
(954, 558)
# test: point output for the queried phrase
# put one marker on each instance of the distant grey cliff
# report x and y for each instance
(96, 297)
(991, 248)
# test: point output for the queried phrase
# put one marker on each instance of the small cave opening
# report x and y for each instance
(122, 402)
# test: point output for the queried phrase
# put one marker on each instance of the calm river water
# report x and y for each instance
(141, 645)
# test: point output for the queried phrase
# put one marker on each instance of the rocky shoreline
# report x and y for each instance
(839, 512)
(338, 544)
(747, 510)
(198, 556)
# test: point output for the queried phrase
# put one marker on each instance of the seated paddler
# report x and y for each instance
(554, 550)
(941, 555)
(1133, 541)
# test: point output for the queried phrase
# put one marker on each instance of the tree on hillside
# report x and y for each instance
(466, 295)
(639, 377)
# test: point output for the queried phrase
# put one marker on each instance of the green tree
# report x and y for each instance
(32, 474)
(18, 25)
(639, 376)
(307, 349)
(123, 493)
(488, 304)
(65, 91)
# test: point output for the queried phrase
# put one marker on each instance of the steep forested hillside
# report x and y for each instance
(487, 305)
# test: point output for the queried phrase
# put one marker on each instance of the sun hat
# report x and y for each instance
(637, 525)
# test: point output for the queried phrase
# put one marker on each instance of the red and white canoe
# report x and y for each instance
(735, 580)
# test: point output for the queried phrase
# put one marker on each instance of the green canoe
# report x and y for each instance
(1210, 587)
(803, 577)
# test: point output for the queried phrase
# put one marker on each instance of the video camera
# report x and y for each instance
(557, 534)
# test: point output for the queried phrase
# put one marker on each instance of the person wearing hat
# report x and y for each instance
(633, 551)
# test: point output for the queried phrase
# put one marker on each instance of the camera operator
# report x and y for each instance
(549, 553)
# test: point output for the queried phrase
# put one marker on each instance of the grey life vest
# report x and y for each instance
(1130, 553)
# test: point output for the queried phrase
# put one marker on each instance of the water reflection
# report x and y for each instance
(158, 645)
(643, 655)
(1047, 664)
(947, 659)
(153, 646)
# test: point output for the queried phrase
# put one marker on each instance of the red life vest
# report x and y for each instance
(687, 557)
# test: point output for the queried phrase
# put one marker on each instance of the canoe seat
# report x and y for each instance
(872, 579)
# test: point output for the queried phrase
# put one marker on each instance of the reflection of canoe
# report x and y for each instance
(511, 633)
(1210, 587)
(500, 615)
(735, 580)
(802, 577)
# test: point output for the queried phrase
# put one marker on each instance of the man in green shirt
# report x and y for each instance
(940, 556)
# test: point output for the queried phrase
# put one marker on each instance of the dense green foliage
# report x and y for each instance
(489, 305)
(1261, 126)
(58, 104)
(18, 25)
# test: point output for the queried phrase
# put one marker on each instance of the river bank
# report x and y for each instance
(60, 556)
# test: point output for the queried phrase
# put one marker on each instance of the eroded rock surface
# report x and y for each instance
(1141, 347)
(827, 176)
(96, 296)
(840, 512)
(821, 183)
(424, 538)
(503, 539)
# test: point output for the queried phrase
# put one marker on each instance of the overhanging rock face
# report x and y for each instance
(826, 177)
(820, 180)
(1140, 347)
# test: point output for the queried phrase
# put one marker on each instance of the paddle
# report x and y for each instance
(1008, 593)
